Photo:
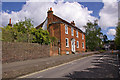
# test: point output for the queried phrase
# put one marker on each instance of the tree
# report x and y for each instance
(23, 31)
(117, 36)
(7, 34)
(105, 38)
(93, 33)
(40, 36)
(20, 32)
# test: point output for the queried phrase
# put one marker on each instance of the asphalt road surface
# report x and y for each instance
(103, 65)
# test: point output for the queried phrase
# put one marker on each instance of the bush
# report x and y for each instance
(101, 51)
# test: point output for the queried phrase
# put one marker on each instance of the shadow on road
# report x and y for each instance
(106, 67)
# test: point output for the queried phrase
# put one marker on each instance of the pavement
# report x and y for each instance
(104, 65)
(15, 69)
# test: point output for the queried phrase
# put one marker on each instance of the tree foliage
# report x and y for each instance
(93, 36)
(54, 40)
(20, 32)
(105, 38)
(23, 31)
(117, 36)
(7, 34)
(40, 36)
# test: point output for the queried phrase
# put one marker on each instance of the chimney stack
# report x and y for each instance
(50, 8)
(72, 23)
(10, 22)
(50, 15)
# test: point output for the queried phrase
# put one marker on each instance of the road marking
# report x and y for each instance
(39, 76)
(54, 67)
(101, 58)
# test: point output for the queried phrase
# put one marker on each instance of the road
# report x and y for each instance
(103, 65)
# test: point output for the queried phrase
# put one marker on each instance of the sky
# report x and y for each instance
(105, 11)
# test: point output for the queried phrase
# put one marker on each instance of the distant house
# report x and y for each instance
(71, 39)
(109, 45)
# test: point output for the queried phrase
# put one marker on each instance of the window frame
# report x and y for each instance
(66, 31)
(67, 52)
(72, 31)
(77, 33)
(77, 44)
(83, 45)
(82, 36)
(67, 42)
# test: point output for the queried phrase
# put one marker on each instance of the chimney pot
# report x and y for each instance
(10, 21)
(50, 8)
(73, 23)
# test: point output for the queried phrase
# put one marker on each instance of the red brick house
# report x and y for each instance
(71, 39)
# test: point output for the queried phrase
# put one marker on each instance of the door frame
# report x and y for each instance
(73, 45)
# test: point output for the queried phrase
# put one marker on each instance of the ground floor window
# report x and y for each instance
(77, 44)
(67, 52)
(67, 42)
(82, 44)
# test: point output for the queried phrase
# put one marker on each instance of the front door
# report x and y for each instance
(73, 45)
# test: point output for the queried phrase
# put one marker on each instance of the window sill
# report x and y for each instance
(66, 33)
(67, 46)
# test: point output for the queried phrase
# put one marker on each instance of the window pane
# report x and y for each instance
(77, 44)
(76, 33)
(83, 44)
(82, 36)
(66, 29)
(66, 42)
(72, 32)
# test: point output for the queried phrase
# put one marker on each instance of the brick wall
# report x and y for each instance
(57, 29)
(63, 42)
(12, 52)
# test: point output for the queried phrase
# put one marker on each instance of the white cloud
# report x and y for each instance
(37, 11)
(111, 32)
(109, 14)
(41, 0)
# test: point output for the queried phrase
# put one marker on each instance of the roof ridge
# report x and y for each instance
(69, 23)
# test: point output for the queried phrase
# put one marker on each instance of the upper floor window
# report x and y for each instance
(83, 45)
(72, 31)
(82, 36)
(67, 42)
(66, 29)
(77, 44)
(76, 33)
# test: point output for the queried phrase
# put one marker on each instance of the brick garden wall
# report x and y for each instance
(12, 52)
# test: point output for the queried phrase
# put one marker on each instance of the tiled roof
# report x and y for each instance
(68, 23)
(61, 21)
(41, 24)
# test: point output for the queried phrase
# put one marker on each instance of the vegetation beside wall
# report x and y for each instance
(23, 31)
(117, 36)
(93, 36)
